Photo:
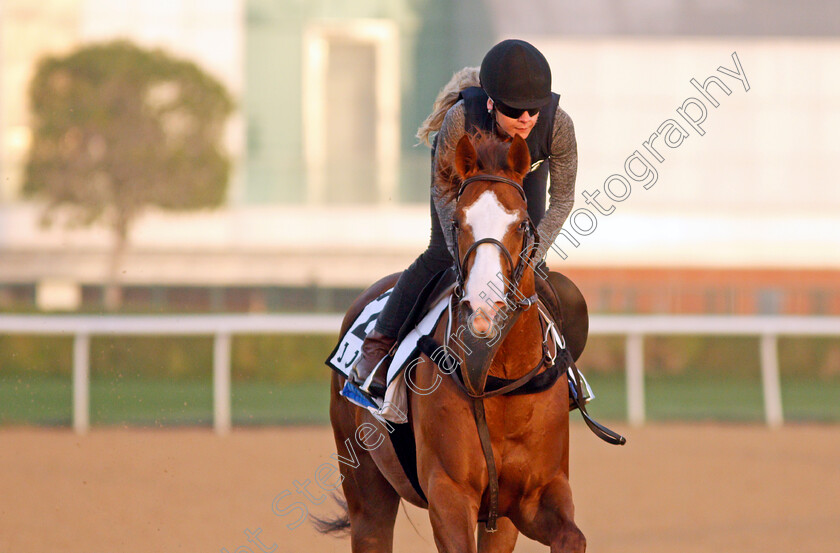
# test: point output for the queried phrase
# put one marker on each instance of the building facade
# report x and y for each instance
(330, 190)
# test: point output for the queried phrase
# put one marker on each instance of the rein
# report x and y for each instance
(502, 386)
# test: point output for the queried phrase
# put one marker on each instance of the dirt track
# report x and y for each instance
(673, 488)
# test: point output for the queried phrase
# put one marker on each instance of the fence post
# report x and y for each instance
(635, 379)
(81, 382)
(770, 381)
(221, 383)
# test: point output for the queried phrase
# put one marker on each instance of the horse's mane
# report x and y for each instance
(446, 98)
(492, 153)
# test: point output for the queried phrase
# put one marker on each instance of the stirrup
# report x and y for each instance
(357, 396)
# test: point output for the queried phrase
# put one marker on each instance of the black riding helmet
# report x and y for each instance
(516, 74)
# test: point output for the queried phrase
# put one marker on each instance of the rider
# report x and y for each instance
(511, 95)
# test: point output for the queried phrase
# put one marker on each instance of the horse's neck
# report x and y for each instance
(522, 348)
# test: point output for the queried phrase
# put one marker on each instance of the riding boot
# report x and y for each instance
(374, 349)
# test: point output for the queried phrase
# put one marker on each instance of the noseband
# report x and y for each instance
(531, 244)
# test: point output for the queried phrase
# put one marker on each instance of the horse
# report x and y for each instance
(515, 478)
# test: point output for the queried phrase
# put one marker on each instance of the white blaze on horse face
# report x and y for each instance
(487, 218)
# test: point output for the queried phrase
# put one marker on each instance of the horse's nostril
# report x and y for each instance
(483, 319)
(481, 322)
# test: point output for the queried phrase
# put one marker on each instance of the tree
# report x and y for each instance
(116, 129)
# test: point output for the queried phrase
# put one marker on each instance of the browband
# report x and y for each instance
(495, 178)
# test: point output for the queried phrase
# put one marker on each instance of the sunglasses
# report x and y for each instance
(514, 113)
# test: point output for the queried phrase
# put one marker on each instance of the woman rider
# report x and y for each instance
(514, 97)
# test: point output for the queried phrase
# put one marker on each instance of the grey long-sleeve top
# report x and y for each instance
(562, 171)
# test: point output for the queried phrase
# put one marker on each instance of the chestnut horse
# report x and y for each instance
(528, 434)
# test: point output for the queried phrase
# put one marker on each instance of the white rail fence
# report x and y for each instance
(223, 327)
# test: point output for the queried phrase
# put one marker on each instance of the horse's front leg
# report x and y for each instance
(450, 465)
(453, 512)
(547, 516)
(503, 540)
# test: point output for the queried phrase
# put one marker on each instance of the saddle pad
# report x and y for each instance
(348, 350)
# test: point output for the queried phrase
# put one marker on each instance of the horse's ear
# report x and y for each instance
(519, 158)
(465, 157)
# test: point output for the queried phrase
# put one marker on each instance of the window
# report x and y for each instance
(351, 111)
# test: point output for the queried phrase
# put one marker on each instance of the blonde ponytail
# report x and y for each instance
(446, 98)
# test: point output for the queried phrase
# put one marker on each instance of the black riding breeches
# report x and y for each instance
(435, 259)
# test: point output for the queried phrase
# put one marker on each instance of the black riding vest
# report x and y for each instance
(538, 141)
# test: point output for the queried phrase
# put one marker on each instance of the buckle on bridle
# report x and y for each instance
(527, 302)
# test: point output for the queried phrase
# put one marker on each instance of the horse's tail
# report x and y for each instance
(446, 98)
(338, 525)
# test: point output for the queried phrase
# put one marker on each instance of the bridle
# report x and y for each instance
(531, 245)
(482, 355)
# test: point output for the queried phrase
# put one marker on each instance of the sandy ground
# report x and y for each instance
(673, 488)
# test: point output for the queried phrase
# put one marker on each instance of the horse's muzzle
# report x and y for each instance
(481, 341)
